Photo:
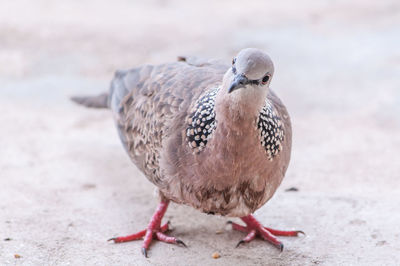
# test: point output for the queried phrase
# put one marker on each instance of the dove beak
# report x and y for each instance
(238, 82)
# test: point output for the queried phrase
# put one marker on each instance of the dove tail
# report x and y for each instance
(99, 101)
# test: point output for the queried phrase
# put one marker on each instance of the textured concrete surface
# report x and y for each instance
(67, 185)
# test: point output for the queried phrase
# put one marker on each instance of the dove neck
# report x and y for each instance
(239, 109)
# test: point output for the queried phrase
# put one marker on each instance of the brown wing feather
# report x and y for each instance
(151, 102)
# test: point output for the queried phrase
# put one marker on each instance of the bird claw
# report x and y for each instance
(168, 227)
(153, 231)
(111, 239)
(144, 252)
(253, 228)
(239, 243)
(300, 232)
(180, 242)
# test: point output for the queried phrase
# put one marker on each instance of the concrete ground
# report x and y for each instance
(67, 185)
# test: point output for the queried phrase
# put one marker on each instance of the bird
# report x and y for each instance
(207, 134)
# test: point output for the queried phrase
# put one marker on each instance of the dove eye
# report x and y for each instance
(233, 61)
(265, 79)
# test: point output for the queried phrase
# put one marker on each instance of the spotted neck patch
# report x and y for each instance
(201, 122)
(271, 130)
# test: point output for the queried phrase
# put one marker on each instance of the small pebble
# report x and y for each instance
(17, 256)
(215, 255)
(381, 243)
(7, 239)
(218, 232)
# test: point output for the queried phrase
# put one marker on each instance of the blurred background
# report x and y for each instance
(67, 184)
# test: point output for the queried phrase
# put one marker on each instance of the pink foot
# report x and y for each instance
(254, 228)
(154, 231)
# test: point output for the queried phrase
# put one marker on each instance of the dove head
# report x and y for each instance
(250, 68)
(245, 85)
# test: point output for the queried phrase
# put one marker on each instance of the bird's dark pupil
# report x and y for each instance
(265, 79)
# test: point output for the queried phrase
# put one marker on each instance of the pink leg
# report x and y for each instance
(137, 236)
(169, 239)
(239, 227)
(248, 238)
(283, 233)
(154, 230)
(128, 238)
(266, 235)
(254, 228)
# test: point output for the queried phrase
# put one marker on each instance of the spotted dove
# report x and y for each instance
(208, 135)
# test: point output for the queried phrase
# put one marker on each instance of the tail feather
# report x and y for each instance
(99, 101)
